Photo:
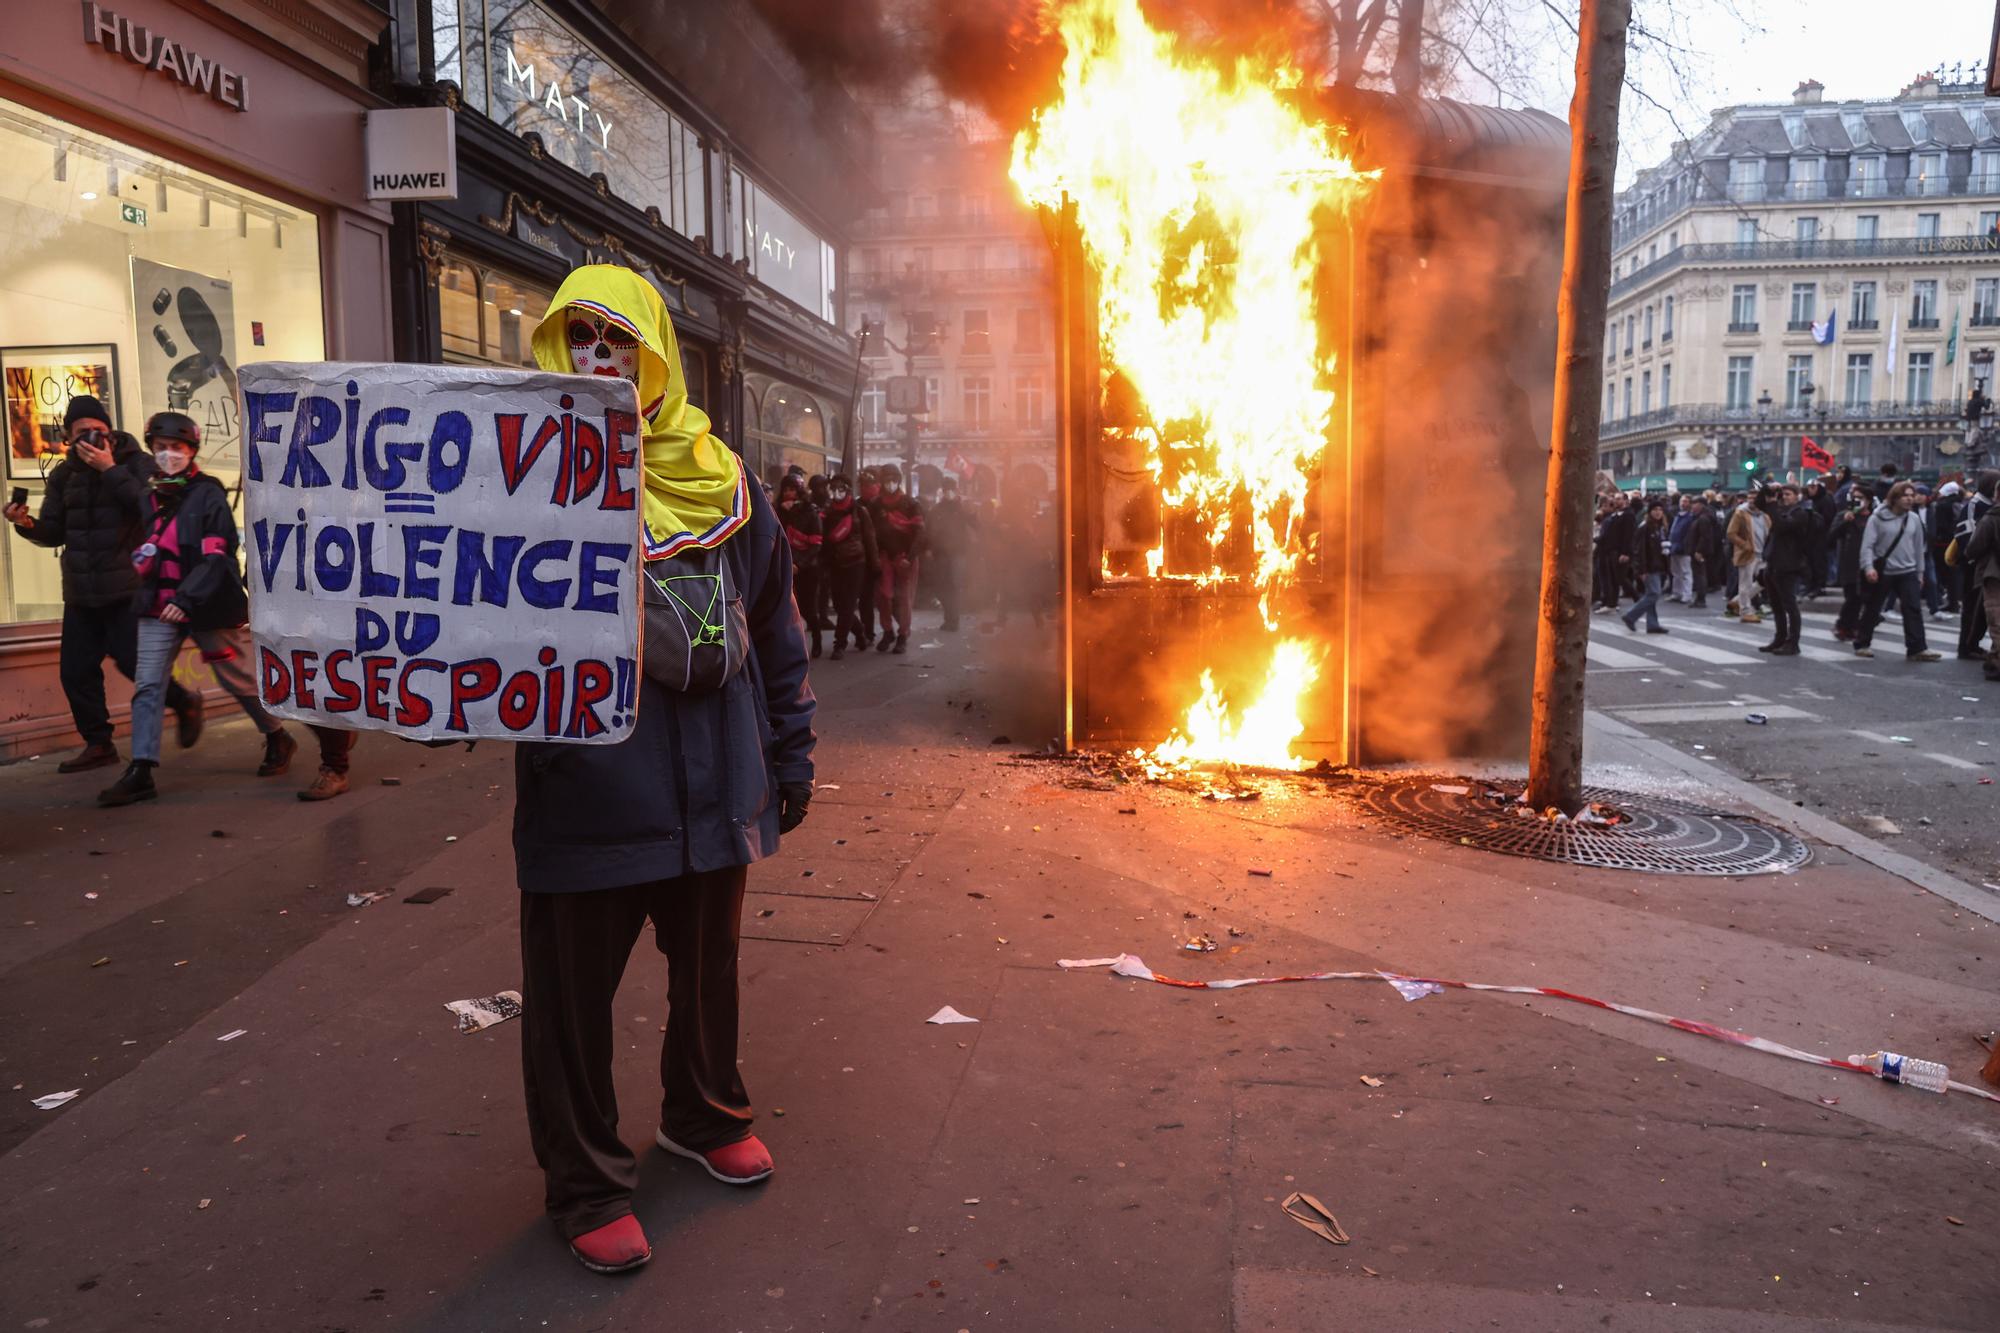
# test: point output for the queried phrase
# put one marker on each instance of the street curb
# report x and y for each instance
(1971, 897)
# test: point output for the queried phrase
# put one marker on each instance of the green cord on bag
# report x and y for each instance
(711, 631)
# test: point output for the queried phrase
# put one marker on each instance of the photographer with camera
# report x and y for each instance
(91, 510)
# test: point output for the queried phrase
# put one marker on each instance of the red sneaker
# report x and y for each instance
(744, 1162)
(615, 1247)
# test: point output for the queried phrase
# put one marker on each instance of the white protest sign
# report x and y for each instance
(444, 551)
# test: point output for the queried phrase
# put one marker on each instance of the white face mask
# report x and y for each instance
(599, 347)
(171, 461)
(892, 486)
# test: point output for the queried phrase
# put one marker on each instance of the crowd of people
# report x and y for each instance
(864, 557)
(1890, 546)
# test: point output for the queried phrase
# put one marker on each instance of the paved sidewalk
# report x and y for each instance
(1093, 1154)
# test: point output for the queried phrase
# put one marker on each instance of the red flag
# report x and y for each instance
(1814, 457)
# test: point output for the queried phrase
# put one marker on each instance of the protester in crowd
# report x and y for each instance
(1648, 558)
(1681, 551)
(950, 525)
(1884, 482)
(869, 493)
(189, 586)
(1749, 529)
(802, 530)
(1788, 554)
(1972, 620)
(1892, 565)
(1819, 560)
(1848, 528)
(1615, 541)
(1980, 554)
(664, 825)
(1704, 549)
(816, 495)
(1921, 508)
(1941, 529)
(899, 547)
(847, 549)
(90, 508)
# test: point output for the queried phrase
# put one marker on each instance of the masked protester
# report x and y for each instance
(847, 551)
(952, 527)
(91, 510)
(802, 530)
(869, 492)
(665, 825)
(899, 543)
(190, 586)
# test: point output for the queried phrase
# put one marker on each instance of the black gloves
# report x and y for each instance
(793, 797)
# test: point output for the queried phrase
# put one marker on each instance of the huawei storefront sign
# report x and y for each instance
(412, 153)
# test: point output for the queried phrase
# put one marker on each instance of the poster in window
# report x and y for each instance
(38, 383)
(187, 352)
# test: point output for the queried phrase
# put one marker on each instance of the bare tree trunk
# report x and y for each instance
(1408, 74)
(1555, 746)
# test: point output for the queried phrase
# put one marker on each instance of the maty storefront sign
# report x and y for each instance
(121, 36)
(444, 551)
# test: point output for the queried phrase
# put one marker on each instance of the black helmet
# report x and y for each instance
(177, 426)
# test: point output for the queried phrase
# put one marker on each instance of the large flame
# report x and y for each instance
(1197, 190)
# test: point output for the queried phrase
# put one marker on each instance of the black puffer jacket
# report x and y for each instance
(94, 517)
(695, 786)
(1788, 549)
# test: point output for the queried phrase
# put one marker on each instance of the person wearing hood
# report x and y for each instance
(802, 530)
(899, 543)
(90, 508)
(847, 552)
(1979, 558)
(662, 826)
(1941, 520)
(190, 586)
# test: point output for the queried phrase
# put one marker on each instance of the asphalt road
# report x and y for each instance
(1901, 751)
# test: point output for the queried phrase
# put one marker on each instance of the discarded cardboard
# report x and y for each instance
(950, 1015)
(1315, 1217)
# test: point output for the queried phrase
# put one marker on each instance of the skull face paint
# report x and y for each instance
(597, 346)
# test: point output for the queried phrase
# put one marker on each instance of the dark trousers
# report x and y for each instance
(850, 595)
(1972, 611)
(1851, 602)
(1784, 591)
(335, 746)
(89, 635)
(805, 593)
(1907, 590)
(872, 575)
(574, 947)
(941, 577)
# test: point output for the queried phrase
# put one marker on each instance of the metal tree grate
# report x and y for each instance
(1662, 837)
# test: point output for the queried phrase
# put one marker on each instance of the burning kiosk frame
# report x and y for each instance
(1417, 573)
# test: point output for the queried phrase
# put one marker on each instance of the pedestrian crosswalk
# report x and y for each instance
(1706, 637)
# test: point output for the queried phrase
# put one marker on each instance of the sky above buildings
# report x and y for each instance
(1736, 51)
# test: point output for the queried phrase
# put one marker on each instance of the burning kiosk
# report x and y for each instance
(1306, 367)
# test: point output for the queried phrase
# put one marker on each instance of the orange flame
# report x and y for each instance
(1197, 190)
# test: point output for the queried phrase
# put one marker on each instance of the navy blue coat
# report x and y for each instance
(695, 786)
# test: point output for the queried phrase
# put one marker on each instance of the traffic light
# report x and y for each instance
(1750, 464)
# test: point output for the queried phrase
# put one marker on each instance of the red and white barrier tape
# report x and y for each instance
(1412, 988)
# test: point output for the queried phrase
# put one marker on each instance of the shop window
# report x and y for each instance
(145, 283)
(486, 316)
(788, 426)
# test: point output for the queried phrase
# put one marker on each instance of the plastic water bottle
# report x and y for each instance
(1891, 1067)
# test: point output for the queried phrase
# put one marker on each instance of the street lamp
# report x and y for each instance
(1763, 417)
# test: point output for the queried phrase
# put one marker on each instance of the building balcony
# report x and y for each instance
(1631, 223)
(1986, 319)
(1785, 420)
(1799, 326)
(1917, 325)
(1768, 253)
(1863, 325)
(1742, 327)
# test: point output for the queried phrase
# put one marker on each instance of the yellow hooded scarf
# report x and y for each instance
(696, 491)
